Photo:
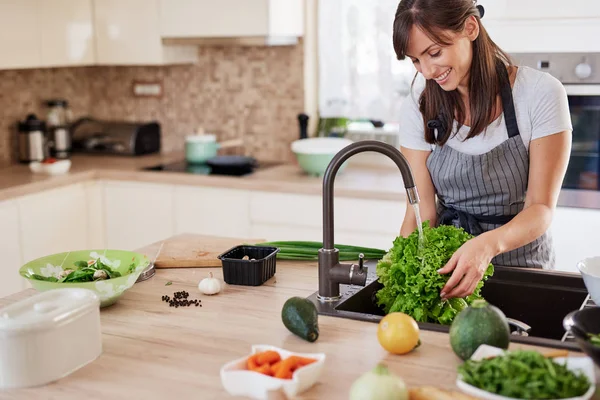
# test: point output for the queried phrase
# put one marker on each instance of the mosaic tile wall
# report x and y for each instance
(253, 93)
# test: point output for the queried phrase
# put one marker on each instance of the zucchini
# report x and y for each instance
(309, 251)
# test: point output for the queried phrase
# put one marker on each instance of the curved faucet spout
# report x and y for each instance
(345, 154)
(331, 272)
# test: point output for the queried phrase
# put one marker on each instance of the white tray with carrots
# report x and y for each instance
(269, 368)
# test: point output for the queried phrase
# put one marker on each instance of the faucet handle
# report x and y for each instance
(361, 258)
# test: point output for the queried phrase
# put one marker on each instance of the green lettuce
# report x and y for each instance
(411, 283)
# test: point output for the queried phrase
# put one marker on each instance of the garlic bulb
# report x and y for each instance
(209, 285)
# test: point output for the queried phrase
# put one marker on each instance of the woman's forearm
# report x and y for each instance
(524, 228)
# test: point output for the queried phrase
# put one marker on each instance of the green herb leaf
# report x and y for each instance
(81, 264)
(524, 375)
(411, 283)
(168, 283)
(44, 278)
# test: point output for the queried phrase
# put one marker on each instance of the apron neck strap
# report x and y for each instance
(508, 106)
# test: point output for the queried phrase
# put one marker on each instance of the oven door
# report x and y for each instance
(583, 172)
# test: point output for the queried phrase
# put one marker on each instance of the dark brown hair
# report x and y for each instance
(434, 17)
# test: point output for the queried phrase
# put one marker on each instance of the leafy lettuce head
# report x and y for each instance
(411, 283)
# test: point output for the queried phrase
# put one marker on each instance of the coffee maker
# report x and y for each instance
(58, 122)
(32, 139)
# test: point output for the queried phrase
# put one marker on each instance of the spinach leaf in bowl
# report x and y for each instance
(524, 374)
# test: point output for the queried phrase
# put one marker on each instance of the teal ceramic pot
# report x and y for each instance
(200, 148)
(315, 154)
(129, 264)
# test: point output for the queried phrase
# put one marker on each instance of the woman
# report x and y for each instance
(489, 139)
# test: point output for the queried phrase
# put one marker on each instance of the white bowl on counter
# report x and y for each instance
(58, 167)
(239, 381)
(575, 364)
(590, 272)
(48, 336)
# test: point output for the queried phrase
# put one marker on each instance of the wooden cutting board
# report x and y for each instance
(192, 251)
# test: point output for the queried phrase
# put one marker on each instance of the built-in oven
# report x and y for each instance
(580, 75)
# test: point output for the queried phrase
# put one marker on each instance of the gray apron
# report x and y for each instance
(483, 192)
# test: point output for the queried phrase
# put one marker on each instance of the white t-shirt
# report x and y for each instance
(541, 107)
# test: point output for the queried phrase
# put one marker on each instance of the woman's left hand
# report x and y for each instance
(469, 263)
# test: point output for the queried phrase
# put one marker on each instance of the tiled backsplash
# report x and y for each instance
(250, 92)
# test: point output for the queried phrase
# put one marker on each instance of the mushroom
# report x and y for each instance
(100, 274)
(64, 274)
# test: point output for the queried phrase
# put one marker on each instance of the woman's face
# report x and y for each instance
(447, 65)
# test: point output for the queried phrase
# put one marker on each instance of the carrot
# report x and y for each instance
(302, 361)
(251, 363)
(286, 368)
(265, 369)
(276, 366)
(270, 363)
(268, 357)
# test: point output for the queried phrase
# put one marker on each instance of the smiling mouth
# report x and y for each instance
(443, 76)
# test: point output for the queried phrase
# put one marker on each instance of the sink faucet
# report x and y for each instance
(331, 272)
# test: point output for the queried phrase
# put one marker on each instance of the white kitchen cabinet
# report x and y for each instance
(19, 34)
(290, 216)
(575, 234)
(10, 248)
(127, 32)
(67, 33)
(137, 213)
(53, 221)
(212, 211)
(539, 9)
(275, 19)
(543, 26)
(94, 197)
(545, 36)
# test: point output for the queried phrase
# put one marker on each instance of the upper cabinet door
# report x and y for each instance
(127, 32)
(539, 9)
(19, 34)
(67, 32)
(231, 18)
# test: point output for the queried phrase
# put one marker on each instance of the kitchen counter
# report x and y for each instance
(384, 183)
(381, 181)
(152, 351)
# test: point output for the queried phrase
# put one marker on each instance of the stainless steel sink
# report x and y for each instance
(539, 299)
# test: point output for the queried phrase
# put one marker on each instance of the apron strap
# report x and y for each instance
(510, 116)
(469, 222)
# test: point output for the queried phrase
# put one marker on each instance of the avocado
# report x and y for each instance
(299, 315)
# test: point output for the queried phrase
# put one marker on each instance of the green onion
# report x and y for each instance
(309, 251)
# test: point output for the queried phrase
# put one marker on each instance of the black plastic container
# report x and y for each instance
(259, 268)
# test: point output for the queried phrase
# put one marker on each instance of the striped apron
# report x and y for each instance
(483, 192)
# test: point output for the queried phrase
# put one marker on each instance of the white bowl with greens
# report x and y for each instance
(523, 374)
(108, 273)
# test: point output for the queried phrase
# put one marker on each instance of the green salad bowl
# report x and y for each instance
(47, 273)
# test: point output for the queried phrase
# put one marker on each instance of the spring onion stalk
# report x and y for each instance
(309, 251)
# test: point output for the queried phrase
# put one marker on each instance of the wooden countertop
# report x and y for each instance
(384, 183)
(152, 351)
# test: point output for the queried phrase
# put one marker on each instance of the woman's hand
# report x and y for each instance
(469, 263)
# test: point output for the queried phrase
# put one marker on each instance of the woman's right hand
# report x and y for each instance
(417, 159)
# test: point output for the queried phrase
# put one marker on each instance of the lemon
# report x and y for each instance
(398, 333)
